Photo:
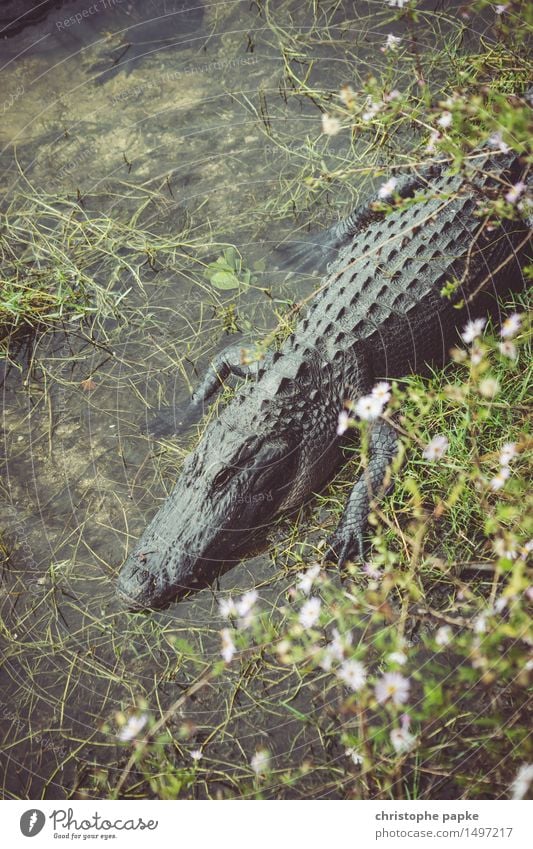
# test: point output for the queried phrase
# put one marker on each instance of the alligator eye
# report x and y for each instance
(223, 477)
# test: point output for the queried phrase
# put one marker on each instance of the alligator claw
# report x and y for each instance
(343, 546)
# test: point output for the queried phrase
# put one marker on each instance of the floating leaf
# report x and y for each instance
(224, 280)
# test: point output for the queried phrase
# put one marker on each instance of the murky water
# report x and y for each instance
(120, 104)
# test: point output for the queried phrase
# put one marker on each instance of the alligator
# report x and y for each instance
(379, 314)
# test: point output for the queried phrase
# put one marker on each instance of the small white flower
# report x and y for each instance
(368, 408)
(260, 762)
(443, 637)
(434, 137)
(489, 387)
(392, 686)
(514, 192)
(480, 624)
(392, 42)
(500, 604)
(498, 481)
(526, 550)
(227, 608)
(353, 674)
(511, 326)
(437, 448)
(507, 349)
(445, 120)
(501, 8)
(505, 548)
(310, 612)
(347, 95)
(339, 643)
(523, 779)
(476, 354)
(496, 142)
(382, 391)
(343, 423)
(387, 188)
(473, 329)
(133, 727)
(355, 756)
(372, 109)
(508, 451)
(402, 740)
(397, 657)
(245, 609)
(196, 754)
(246, 602)
(334, 651)
(307, 578)
(392, 95)
(228, 646)
(330, 125)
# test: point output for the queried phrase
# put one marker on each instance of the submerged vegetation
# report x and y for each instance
(404, 677)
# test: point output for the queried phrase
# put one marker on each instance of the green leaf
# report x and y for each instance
(224, 280)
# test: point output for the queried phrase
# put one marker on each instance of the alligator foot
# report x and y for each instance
(171, 420)
(347, 542)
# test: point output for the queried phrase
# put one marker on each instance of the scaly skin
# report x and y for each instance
(378, 315)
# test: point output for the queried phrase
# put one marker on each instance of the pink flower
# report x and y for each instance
(514, 192)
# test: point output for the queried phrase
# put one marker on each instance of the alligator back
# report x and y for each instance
(383, 294)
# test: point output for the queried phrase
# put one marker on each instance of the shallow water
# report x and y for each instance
(159, 97)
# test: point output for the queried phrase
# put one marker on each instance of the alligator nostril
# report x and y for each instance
(142, 576)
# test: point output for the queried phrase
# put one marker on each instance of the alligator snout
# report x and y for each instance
(150, 578)
(135, 586)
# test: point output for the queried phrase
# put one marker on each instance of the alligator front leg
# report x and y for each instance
(347, 542)
(171, 419)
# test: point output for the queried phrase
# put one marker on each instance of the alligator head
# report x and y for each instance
(228, 491)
